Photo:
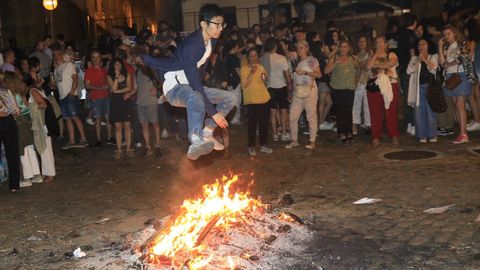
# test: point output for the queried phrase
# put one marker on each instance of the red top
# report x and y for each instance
(97, 77)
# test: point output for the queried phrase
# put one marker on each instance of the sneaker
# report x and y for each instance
(306, 132)
(275, 137)
(265, 149)
(292, 145)
(90, 121)
(103, 123)
(217, 146)
(411, 129)
(334, 129)
(68, 146)
(26, 183)
(199, 147)
(164, 133)
(286, 137)
(310, 146)
(325, 126)
(423, 140)
(138, 145)
(474, 126)
(252, 152)
(148, 151)
(110, 141)
(461, 138)
(208, 136)
(37, 179)
(81, 144)
(433, 140)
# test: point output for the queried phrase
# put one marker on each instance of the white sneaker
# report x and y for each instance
(208, 136)
(252, 152)
(26, 183)
(266, 150)
(411, 129)
(37, 179)
(90, 121)
(286, 137)
(474, 126)
(138, 145)
(103, 124)
(275, 137)
(326, 126)
(164, 133)
(199, 147)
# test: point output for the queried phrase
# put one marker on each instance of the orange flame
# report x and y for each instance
(219, 206)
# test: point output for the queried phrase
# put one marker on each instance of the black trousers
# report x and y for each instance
(343, 100)
(9, 138)
(258, 115)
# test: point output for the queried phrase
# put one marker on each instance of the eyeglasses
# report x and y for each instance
(219, 25)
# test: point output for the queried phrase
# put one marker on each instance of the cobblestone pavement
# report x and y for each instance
(41, 223)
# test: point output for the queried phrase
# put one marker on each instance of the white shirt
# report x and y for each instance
(452, 55)
(172, 78)
(63, 78)
(276, 67)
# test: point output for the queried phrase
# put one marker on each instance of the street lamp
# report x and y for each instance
(50, 5)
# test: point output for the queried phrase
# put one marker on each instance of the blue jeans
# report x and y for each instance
(182, 95)
(425, 118)
(225, 101)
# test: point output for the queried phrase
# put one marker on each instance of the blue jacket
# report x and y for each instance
(185, 58)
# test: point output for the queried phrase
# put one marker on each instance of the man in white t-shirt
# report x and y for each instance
(279, 81)
(66, 78)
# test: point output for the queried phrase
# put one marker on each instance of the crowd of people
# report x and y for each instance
(284, 79)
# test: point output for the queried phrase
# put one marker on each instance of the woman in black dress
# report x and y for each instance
(120, 104)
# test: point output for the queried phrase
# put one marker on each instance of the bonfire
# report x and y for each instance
(226, 203)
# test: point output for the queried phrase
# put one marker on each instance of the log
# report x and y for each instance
(207, 230)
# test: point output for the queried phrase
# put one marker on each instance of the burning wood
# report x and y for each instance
(205, 226)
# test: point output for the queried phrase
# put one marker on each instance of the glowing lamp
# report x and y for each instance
(50, 4)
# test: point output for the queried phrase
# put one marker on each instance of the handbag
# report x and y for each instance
(302, 91)
(434, 95)
(372, 85)
(452, 82)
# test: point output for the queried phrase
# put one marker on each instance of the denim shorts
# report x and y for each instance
(147, 113)
(100, 107)
(463, 89)
(70, 106)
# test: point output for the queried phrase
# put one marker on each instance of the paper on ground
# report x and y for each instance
(367, 201)
(438, 210)
(78, 253)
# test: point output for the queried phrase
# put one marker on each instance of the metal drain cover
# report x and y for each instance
(409, 155)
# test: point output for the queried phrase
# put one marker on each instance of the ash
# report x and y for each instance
(257, 241)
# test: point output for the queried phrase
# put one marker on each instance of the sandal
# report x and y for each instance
(130, 153)
(118, 154)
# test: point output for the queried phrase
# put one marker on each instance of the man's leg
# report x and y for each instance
(225, 101)
(183, 95)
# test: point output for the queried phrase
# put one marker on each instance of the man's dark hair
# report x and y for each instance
(409, 19)
(210, 11)
(270, 44)
(230, 45)
(33, 62)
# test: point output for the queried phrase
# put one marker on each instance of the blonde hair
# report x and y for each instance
(456, 32)
(14, 83)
